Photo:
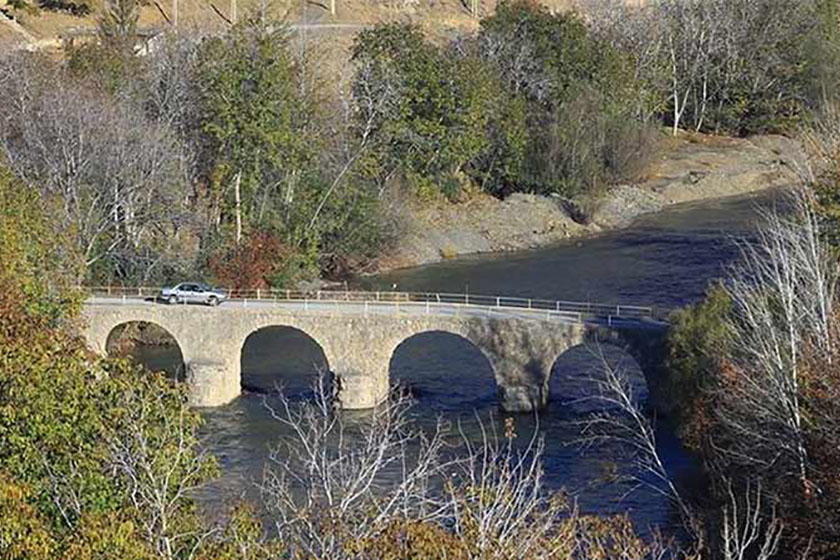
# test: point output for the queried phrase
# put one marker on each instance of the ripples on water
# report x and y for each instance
(665, 260)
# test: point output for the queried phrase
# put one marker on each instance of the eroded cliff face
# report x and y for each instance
(690, 168)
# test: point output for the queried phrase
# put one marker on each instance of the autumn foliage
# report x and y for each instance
(252, 264)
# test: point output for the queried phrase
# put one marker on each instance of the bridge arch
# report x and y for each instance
(639, 351)
(579, 372)
(281, 355)
(149, 344)
(446, 368)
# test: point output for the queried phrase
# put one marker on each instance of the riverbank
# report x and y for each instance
(690, 168)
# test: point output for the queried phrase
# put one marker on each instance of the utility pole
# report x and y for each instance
(174, 13)
(233, 12)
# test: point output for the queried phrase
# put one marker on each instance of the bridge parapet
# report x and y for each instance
(395, 301)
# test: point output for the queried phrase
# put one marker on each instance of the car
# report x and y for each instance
(193, 292)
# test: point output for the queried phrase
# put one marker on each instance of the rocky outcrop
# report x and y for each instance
(692, 167)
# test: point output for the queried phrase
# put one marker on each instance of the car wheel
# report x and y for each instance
(213, 301)
(172, 300)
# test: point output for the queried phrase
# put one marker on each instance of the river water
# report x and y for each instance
(664, 260)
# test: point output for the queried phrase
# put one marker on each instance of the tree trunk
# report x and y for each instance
(238, 195)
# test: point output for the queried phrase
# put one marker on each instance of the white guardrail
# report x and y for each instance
(422, 302)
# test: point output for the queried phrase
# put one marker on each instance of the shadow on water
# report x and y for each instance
(149, 345)
(281, 357)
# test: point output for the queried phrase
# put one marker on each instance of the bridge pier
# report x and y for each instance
(212, 383)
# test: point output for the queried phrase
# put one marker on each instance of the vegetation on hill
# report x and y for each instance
(188, 159)
(753, 368)
(95, 457)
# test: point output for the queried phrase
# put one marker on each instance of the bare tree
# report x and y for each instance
(500, 497)
(335, 488)
(713, 57)
(325, 485)
(621, 418)
(155, 452)
(641, 32)
(784, 291)
(745, 533)
(373, 97)
(118, 178)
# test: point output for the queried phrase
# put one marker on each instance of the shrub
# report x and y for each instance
(252, 264)
(573, 99)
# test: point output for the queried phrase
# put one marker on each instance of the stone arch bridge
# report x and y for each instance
(359, 335)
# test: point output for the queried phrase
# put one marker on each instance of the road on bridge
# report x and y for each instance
(408, 309)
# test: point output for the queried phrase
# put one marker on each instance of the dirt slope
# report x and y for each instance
(693, 167)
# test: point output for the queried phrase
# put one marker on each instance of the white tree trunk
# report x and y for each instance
(238, 195)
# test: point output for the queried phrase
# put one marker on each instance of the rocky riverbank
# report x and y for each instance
(692, 167)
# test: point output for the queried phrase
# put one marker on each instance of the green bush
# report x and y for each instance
(577, 97)
(695, 346)
(425, 115)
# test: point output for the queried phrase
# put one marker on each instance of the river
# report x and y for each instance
(665, 260)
